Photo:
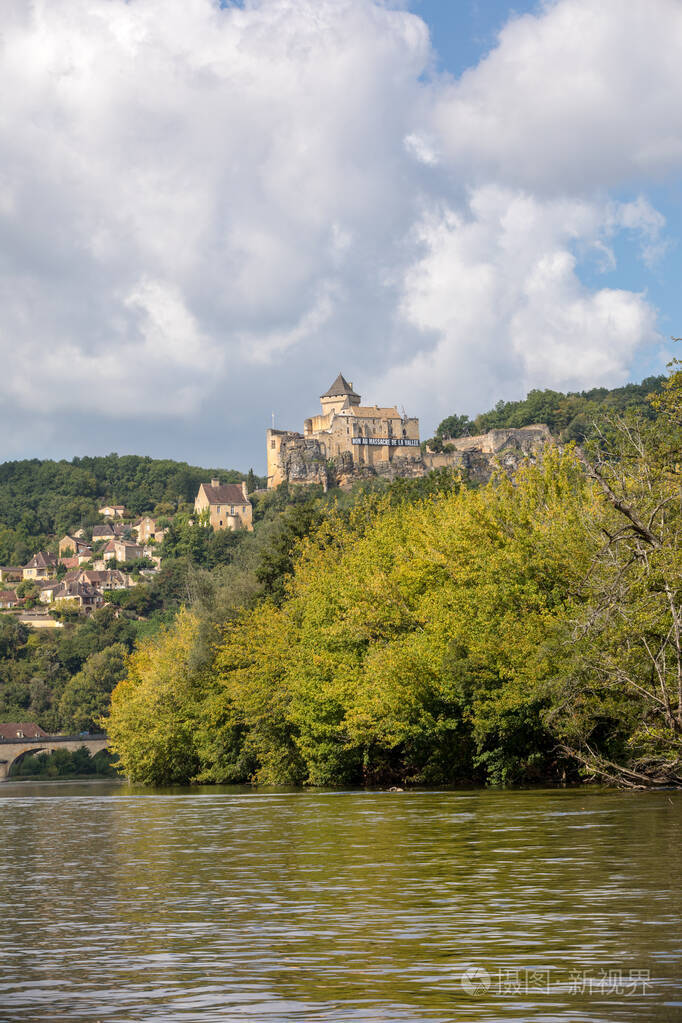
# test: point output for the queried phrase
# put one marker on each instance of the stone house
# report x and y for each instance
(124, 551)
(146, 529)
(8, 598)
(105, 532)
(41, 566)
(78, 594)
(109, 579)
(70, 546)
(112, 511)
(227, 504)
(47, 591)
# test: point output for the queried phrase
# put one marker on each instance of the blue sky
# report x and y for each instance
(463, 32)
(207, 212)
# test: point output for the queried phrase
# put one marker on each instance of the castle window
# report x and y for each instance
(273, 444)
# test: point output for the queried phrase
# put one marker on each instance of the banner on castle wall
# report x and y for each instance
(392, 442)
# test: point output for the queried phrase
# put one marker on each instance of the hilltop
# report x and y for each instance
(569, 415)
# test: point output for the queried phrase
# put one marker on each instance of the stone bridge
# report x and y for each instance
(12, 749)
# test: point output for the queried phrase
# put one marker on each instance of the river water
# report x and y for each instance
(119, 903)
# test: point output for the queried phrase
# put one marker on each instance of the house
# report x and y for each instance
(124, 551)
(11, 573)
(105, 532)
(108, 552)
(227, 504)
(47, 591)
(41, 566)
(11, 730)
(82, 595)
(71, 545)
(105, 580)
(109, 531)
(69, 563)
(112, 511)
(8, 598)
(147, 529)
(127, 551)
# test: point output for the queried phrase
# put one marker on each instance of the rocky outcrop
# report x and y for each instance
(476, 457)
(303, 461)
(345, 472)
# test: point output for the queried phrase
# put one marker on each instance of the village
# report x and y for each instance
(347, 443)
(82, 568)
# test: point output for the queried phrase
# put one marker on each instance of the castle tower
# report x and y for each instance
(339, 396)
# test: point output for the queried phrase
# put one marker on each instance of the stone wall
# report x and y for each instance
(301, 460)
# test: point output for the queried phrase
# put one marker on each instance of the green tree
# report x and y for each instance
(85, 698)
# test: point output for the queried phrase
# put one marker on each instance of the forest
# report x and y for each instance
(569, 416)
(528, 631)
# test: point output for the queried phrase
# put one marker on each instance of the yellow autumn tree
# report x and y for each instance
(154, 710)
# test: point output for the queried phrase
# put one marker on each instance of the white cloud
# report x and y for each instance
(205, 207)
(497, 289)
(579, 95)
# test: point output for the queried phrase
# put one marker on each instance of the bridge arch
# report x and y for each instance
(13, 750)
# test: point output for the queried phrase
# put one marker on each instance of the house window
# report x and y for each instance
(232, 510)
(221, 522)
(273, 444)
(218, 509)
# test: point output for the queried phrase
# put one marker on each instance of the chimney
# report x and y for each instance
(215, 483)
(244, 490)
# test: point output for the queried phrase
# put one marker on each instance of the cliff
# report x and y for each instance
(303, 461)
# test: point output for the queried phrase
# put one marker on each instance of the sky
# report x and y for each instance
(208, 210)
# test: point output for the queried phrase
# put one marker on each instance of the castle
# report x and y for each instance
(351, 436)
(349, 441)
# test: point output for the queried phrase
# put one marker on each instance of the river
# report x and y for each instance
(126, 904)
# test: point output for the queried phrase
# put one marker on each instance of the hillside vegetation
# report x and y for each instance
(528, 630)
(62, 679)
(43, 498)
(569, 416)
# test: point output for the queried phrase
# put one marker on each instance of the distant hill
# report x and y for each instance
(569, 416)
(39, 498)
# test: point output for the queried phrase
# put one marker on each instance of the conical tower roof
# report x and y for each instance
(339, 387)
